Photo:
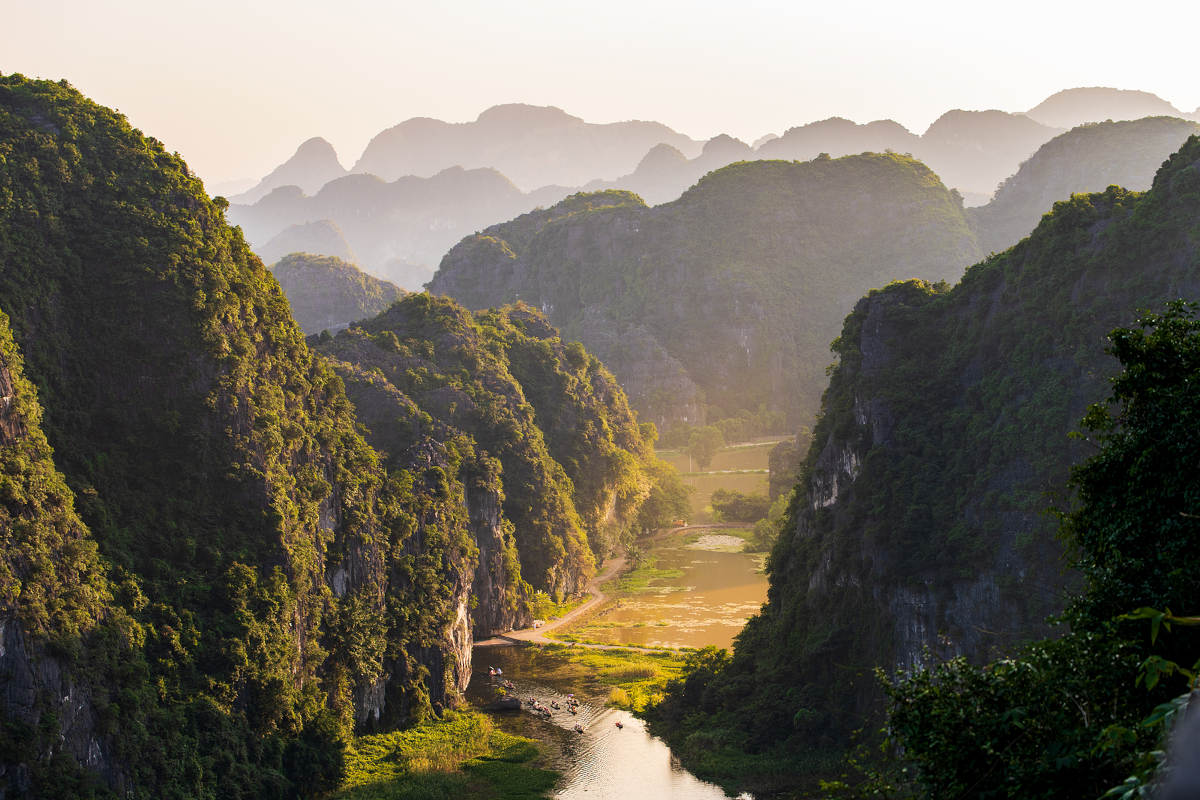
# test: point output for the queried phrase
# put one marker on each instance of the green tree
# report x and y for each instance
(704, 444)
(992, 731)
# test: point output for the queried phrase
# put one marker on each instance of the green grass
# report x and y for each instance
(636, 679)
(461, 755)
(544, 607)
(639, 578)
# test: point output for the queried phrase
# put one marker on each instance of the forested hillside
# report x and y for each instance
(920, 520)
(210, 579)
(327, 293)
(573, 466)
(724, 300)
(1089, 158)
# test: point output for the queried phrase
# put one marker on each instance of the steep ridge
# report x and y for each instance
(61, 632)
(572, 464)
(328, 293)
(313, 165)
(725, 299)
(287, 588)
(1089, 158)
(919, 520)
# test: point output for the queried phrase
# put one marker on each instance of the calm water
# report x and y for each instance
(709, 604)
(602, 763)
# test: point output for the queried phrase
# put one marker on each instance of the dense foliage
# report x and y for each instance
(572, 458)
(725, 300)
(281, 585)
(1086, 159)
(733, 506)
(326, 293)
(919, 521)
(990, 731)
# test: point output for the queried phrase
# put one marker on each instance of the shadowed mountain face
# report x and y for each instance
(919, 525)
(327, 293)
(1087, 159)
(532, 145)
(1072, 107)
(727, 298)
(323, 236)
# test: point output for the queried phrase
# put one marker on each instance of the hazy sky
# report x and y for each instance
(236, 85)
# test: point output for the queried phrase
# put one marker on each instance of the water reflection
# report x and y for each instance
(708, 604)
(602, 763)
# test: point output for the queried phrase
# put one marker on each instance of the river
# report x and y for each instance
(700, 591)
(602, 763)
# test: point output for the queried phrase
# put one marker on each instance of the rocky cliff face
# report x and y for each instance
(53, 599)
(274, 579)
(920, 524)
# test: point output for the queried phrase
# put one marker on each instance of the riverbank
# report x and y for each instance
(463, 754)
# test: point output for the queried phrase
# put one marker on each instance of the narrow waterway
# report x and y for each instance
(602, 763)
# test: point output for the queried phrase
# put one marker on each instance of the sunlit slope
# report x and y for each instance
(727, 298)
(252, 534)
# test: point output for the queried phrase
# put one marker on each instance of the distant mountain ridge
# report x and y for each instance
(521, 146)
(533, 145)
(314, 164)
(1072, 107)
(1088, 158)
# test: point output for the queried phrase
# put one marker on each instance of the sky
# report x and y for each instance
(236, 85)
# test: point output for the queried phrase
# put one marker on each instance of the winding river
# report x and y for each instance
(602, 763)
(708, 592)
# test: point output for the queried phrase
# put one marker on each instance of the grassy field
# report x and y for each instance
(738, 456)
(738, 467)
(461, 755)
(635, 679)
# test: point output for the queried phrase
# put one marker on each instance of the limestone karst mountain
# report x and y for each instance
(327, 293)
(727, 298)
(1072, 107)
(314, 164)
(322, 236)
(210, 579)
(918, 529)
(1086, 159)
(533, 145)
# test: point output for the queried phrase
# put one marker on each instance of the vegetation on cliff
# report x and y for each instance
(919, 522)
(325, 292)
(285, 587)
(1089, 158)
(732, 292)
(573, 463)
(990, 730)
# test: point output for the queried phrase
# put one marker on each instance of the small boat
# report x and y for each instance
(554, 704)
(578, 728)
(619, 724)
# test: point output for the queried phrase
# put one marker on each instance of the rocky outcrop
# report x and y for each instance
(919, 527)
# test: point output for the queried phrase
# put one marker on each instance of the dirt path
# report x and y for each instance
(613, 568)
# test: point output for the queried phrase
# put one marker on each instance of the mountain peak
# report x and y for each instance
(1072, 107)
